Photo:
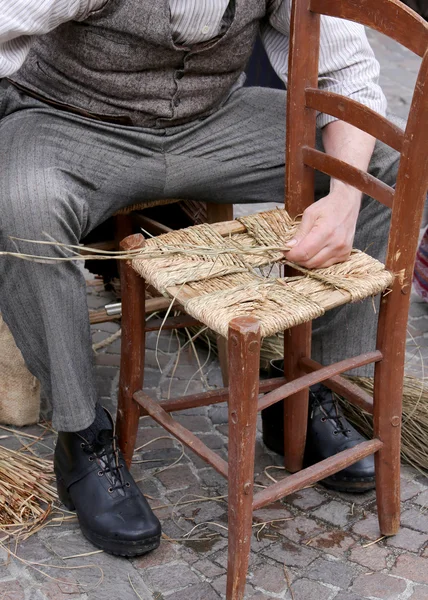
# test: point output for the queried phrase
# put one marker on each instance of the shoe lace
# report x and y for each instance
(106, 453)
(330, 402)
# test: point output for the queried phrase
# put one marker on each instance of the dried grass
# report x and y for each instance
(26, 492)
(415, 419)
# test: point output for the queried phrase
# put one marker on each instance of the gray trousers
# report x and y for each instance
(63, 174)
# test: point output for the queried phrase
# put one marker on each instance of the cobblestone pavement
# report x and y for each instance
(323, 538)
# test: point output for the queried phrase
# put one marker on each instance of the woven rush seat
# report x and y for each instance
(222, 271)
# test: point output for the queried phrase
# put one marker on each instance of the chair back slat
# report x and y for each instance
(338, 169)
(356, 114)
(390, 17)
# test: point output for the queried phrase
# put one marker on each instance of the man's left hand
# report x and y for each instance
(327, 230)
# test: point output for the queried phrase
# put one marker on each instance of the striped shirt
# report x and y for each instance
(347, 63)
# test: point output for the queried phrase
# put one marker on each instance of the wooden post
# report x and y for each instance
(297, 345)
(244, 361)
(132, 350)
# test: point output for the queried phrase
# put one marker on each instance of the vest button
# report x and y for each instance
(177, 102)
(179, 74)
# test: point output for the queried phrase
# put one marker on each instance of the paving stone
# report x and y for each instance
(407, 539)
(202, 591)
(334, 513)
(11, 590)
(415, 519)
(175, 577)
(291, 554)
(306, 499)
(419, 593)
(220, 586)
(270, 578)
(60, 591)
(379, 585)
(166, 553)
(218, 413)
(373, 557)
(347, 596)
(208, 568)
(421, 500)
(409, 489)
(300, 529)
(195, 423)
(368, 527)
(178, 477)
(108, 360)
(335, 542)
(411, 567)
(212, 479)
(305, 589)
(334, 572)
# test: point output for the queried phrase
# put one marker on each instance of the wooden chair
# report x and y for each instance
(210, 293)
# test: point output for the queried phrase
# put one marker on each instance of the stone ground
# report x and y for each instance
(323, 538)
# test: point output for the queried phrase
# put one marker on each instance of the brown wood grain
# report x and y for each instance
(356, 114)
(132, 350)
(211, 397)
(315, 473)
(295, 386)
(338, 169)
(412, 184)
(297, 344)
(244, 361)
(390, 17)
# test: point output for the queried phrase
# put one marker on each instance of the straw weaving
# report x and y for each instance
(222, 271)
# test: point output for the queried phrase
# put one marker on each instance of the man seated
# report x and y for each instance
(105, 104)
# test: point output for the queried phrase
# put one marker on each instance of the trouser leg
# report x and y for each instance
(59, 175)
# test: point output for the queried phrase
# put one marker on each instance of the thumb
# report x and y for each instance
(304, 228)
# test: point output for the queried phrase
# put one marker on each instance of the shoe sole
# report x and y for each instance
(122, 548)
(116, 547)
(349, 487)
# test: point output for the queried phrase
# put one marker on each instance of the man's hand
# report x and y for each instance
(327, 230)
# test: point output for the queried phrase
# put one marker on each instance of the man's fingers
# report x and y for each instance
(303, 230)
(308, 247)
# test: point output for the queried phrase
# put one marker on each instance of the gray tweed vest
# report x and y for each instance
(122, 63)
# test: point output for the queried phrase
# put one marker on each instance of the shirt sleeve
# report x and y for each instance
(20, 20)
(347, 64)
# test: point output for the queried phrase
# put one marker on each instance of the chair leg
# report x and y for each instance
(297, 345)
(223, 359)
(244, 360)
(132, 351)
(387, 411)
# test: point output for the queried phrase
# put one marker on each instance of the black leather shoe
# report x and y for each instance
(328, 433)
(94, 480)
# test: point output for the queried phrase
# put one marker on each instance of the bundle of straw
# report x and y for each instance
(26, 493)
(415, 419)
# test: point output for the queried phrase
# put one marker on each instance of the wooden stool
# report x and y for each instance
(211, 272)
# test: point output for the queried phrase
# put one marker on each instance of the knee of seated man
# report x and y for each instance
(34, 204)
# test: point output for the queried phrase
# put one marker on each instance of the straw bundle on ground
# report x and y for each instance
(415, 419)
(26, 493)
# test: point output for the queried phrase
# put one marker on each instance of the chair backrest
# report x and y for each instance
(397, 21)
